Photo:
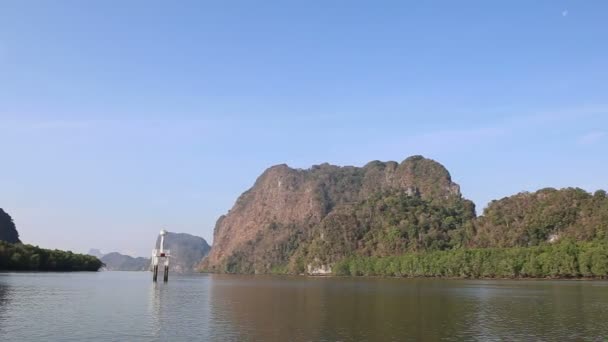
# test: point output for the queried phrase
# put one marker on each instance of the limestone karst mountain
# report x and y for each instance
(304, 221)
(298, 220)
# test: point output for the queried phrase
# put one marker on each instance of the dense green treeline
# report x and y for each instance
(566, 259)
(15, 256)
(20, 257)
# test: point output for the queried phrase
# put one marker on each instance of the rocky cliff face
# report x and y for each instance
(279, 224)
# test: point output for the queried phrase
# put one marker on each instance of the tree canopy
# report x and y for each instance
(566, 259)
(530, 219)
(20, 257)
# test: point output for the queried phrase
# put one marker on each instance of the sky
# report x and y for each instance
(118, 118)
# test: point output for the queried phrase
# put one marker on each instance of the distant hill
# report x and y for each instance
(187, 251)
(8, 231)
(120, 262)
(96, 253)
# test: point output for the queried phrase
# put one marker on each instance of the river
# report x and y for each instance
(127, 306)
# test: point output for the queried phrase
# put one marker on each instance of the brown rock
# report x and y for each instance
(270, 221)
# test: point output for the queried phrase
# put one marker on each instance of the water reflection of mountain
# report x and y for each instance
(265, 308)
(298, 308)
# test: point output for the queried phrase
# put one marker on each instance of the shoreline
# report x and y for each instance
(397, 277)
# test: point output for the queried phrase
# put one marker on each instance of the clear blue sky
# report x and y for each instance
(120, 117)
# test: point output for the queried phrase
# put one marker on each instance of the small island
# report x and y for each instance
(16, 256)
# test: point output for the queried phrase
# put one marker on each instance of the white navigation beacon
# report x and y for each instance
(157, 255)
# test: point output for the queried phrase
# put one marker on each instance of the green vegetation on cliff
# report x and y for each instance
(529, 219)
(549, 233)
(20, 257)
(390, 223)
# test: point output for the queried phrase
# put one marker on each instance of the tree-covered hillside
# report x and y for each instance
(389, 223)
(530, 219)
(20, 257)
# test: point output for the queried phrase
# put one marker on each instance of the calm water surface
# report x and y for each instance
(127, 306)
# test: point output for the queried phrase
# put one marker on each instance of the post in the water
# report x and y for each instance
(157, 255)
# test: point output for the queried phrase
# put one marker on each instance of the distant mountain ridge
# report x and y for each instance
(119, 262)
(187, 251)
(95, 252)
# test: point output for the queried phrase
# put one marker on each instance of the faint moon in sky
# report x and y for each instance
(564, 13)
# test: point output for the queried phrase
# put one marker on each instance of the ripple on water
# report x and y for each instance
(127, 306)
